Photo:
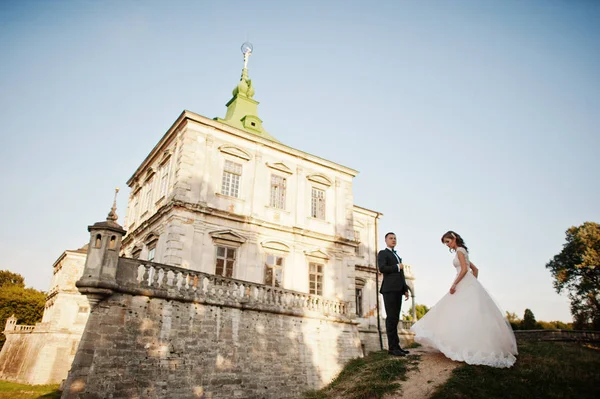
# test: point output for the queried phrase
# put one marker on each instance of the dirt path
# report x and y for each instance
(434, 369)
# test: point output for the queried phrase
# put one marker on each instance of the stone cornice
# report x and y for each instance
(206, 210)
(186, 116)
(367, 269)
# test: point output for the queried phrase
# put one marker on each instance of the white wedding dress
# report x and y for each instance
(468, 326)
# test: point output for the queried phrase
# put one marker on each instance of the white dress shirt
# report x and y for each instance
(397, 257)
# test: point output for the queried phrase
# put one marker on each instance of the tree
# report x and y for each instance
(576, 270)
(554, 325)
(514, 320)
(528, 322)
(27, 304)
(421, 310)
(9, 278)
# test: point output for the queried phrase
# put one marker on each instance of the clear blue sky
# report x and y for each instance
(477, 116)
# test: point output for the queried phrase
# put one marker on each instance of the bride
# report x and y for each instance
(466, 324)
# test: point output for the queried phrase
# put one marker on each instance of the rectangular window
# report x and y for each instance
(232, 173)
(315, 278)
(164, 178)
(357, 249)
(151, 252)
(359, 301)
(278, 185)
(225, 261)
(274, 271)
(317, 205)
(149, 197)
(134, 210)
(136, 253)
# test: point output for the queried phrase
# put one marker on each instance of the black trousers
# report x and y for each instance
(393, 303)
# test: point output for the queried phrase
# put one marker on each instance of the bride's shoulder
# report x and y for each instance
(461, 249)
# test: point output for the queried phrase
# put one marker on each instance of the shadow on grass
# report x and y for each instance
(367, 378)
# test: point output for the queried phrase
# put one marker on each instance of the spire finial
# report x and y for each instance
(247, 51)
(112, 215)
(242, 110)
(244, 87)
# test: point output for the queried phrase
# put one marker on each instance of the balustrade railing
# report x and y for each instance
(189, 283)
(23, 328)
(406, 324)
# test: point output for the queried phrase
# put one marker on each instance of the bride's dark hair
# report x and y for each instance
(459, 241)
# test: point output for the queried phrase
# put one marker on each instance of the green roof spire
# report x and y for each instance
(242, 109)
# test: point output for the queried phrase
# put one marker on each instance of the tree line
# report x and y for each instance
(27, 304)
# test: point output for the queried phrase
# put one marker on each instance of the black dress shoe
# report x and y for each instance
(404, 351)
(396, 352)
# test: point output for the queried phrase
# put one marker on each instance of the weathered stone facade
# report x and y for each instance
(161, 331)
(42, 354)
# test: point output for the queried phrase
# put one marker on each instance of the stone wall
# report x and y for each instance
(171, 332)
(30, 357)
(42, 354)
(558, 335)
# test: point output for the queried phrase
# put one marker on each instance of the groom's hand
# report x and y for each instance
(406, 296)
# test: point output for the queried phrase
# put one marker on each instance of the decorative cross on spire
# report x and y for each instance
(112, 215)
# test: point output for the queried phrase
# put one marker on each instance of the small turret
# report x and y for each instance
(100, 271)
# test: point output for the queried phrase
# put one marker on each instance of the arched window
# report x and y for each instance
(98, 242)
(113, 242)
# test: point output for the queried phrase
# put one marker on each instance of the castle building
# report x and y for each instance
(224, 196)
(220, 197)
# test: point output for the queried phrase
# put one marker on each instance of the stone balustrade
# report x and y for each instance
(18, 329)
(165, 281)
(406, 324)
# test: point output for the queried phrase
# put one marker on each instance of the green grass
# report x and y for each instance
(367, 378)
(21, 391)
(544, 370)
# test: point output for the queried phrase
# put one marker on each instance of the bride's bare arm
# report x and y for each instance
(463, 271)
(474, 269)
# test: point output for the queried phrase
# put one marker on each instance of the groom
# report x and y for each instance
(393, 287)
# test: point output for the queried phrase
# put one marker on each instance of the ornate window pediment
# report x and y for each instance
(317, 253)
(235, 151)
(149, 174)
(275, 245)
(280, 166)
(166, 155)
(228, 237)
(321, 179)
(151, 238)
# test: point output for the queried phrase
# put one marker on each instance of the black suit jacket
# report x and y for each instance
(393, 279)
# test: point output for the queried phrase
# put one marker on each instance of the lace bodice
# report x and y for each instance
(456, 261)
